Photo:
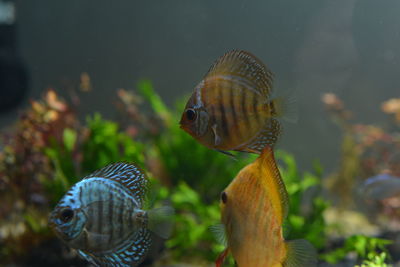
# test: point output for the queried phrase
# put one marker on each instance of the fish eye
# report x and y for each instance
(66, 215)
(224, 197)
(191, 114)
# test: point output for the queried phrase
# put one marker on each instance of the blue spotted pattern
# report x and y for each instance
(128, 175)
(131, 254)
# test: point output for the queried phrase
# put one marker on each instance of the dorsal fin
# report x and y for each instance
(244, 65)
(273, 181)
(127, 175)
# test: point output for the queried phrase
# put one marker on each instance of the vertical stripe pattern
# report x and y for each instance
(254, 223)
(235, 95)
(239, 114)
(104, 227)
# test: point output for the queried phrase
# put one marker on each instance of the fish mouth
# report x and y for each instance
(185, 126)
(54, 225)
(59, 229)
(52, 220)
(182, 122)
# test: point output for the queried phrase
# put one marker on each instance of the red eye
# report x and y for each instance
(190, 114)
(224, 197)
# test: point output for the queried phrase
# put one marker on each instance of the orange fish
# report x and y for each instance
(253, 209)
(232, 107)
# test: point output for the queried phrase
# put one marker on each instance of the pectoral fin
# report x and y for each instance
(286, 107)
(219, 233)
(161, 221)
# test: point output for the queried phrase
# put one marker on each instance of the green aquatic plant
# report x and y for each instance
(200, 170)
(48, 152)
(54, 149)
(197, 178)
(363, 246)
(106, 143)
(101, 143)
(375, 261)
(24, 168)
(192, 237)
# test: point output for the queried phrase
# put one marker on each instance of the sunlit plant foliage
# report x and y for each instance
(375, 260)
(368, 248)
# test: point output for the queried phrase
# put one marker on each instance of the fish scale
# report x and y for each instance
(98, 211)
(232, 107)
(102, 217)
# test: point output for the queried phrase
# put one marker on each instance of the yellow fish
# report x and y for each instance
(232, 107)
(253, 209)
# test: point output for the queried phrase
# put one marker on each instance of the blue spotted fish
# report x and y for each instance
(381, 186)
(103, 217)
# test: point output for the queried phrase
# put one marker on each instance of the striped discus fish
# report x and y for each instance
(232, 107)
(253, 209)
(102, 217)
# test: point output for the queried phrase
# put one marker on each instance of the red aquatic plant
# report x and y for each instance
(367, 151)
(24, 163)
(23, 168)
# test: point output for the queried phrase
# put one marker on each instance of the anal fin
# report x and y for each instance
(88, 257)
(267, 136)
(131, 253)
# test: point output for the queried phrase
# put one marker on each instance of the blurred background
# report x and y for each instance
(349, 48)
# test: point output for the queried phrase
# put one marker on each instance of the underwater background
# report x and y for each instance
(136, 62)
(347, 47)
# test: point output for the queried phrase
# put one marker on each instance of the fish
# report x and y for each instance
(381, 186)
(232, 108)
(104, 219)
(254, 207)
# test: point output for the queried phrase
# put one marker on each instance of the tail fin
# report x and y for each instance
(286, 107)
(300, 253)
(160, 221)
